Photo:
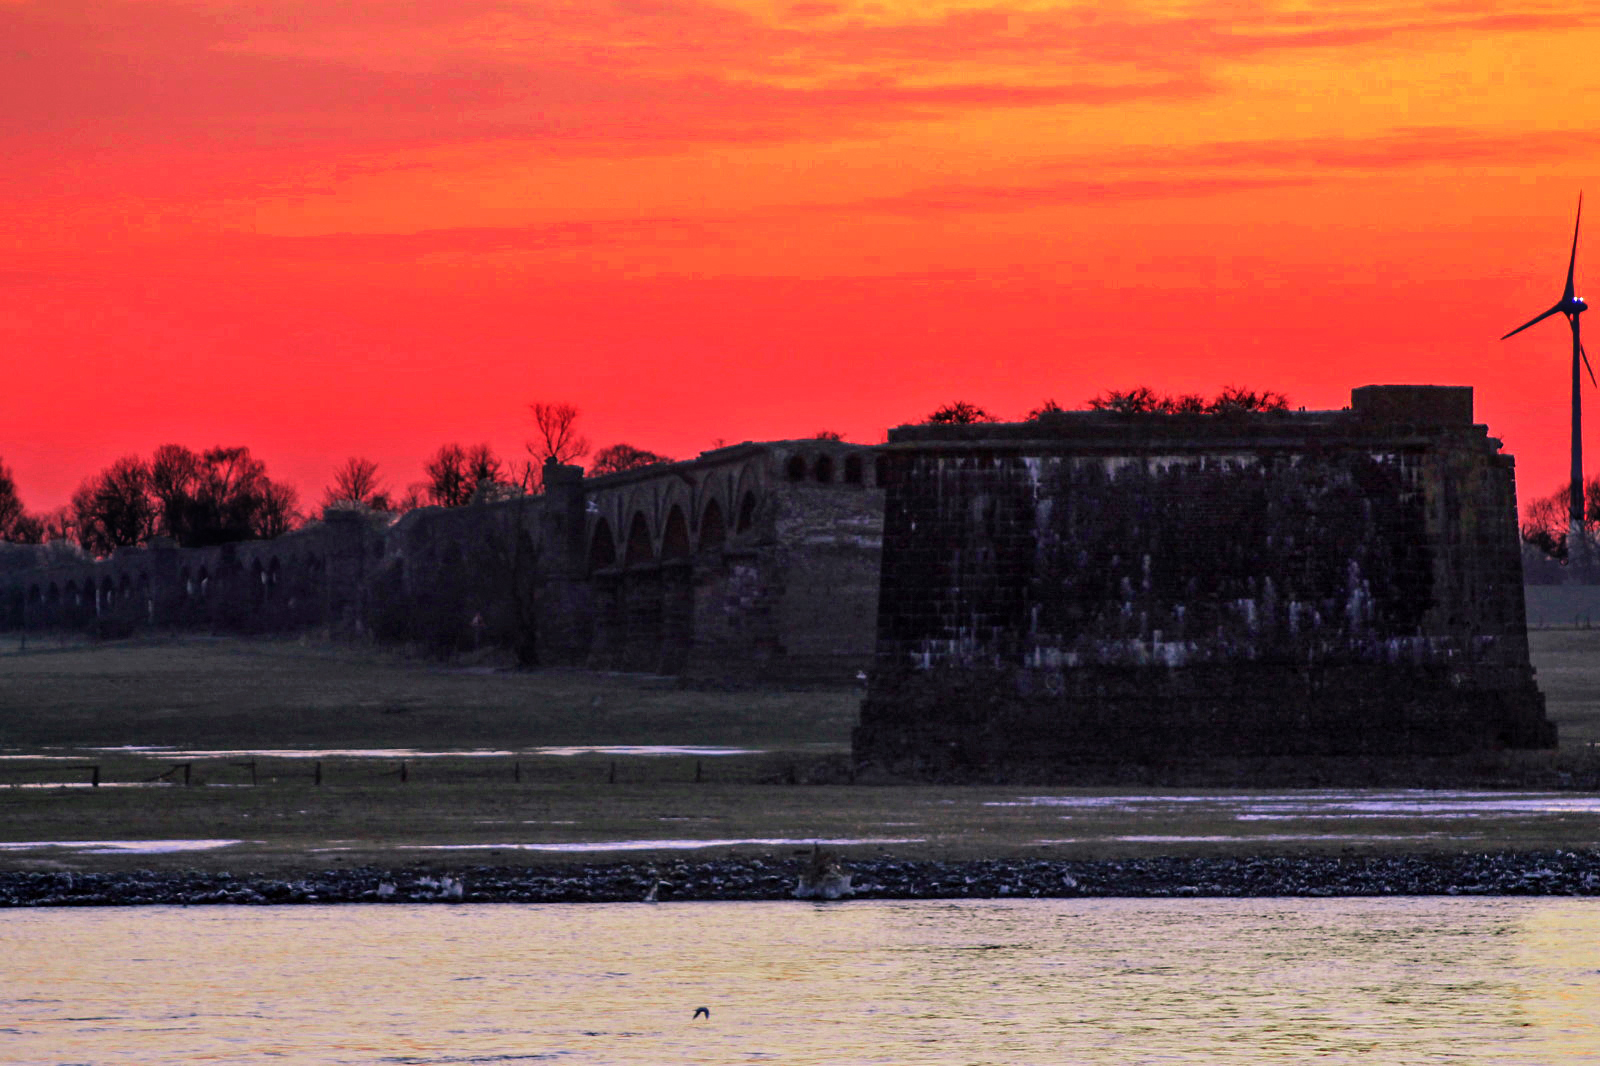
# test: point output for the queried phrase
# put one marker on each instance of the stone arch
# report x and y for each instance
(274, 576)
(822, 469)
(53, 595)
(602, 547)
(73, 595)
(795, 468)
(675, 539)
(202, 583)
(713, 527)
(639, 548)
(747, 512)
(258, 581)
(108, 591)
(852, 469)
(124, 588)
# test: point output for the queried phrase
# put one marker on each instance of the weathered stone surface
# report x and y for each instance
(1096, 587)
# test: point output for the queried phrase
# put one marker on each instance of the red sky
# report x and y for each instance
(326, 230)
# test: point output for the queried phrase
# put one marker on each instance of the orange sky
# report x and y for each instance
(326, 230)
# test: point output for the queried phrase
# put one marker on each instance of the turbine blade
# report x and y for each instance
(1573, 261)
(1531, 321)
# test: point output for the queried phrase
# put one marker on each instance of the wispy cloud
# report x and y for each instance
(1399, 148)
(112, 75)
(987, 198)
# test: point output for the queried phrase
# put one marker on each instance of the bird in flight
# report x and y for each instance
(698, 1011)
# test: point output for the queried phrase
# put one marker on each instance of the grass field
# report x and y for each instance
(477, 789)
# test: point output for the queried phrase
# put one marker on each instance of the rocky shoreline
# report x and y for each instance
(1550, 873)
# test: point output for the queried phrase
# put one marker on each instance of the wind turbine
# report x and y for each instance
(1572, 306)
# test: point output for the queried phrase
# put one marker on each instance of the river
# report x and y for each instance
(1375, 981)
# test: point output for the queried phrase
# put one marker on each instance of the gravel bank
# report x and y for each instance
(1558, 873)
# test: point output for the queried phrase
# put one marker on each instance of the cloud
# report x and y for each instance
(113, 75)
(1400, 148)
(968, 198)
(477, 240)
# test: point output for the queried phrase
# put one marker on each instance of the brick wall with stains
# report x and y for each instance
(1099, 587)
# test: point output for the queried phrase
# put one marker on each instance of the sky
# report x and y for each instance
(357, 229)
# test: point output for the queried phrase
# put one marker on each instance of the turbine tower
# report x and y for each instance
(1572, 306)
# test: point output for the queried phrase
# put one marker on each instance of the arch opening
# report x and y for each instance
(602, 548)
(639, 549)
(675, 541)
(713, 527)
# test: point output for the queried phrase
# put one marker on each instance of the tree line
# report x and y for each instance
(1141, 400)
(224, 494)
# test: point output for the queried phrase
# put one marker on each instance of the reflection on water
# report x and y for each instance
(659, 845)
(1342, 803)
(1081, 981)
(119, 847)
(169, 752)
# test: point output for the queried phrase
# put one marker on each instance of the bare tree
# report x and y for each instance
(113, 509)
(356, 481)
(559, 439)
(275, 510)
(620, 457)
(456, 474)
(448, 484)
(1547, 520)
(15, 522)
(1137, 401)
(960, 413)
(1144, 400)
(1236, 398)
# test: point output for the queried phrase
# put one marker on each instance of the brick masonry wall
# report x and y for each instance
(1103, 589)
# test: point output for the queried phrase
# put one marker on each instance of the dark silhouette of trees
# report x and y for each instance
(113, 509)
(220, 496)
(214, 497)
(455, 475)
(1049, 407)
(1547, 522)
(1235, 398)
(827, 434)
(356, 484)
(559, 439)
(620, 457)
(16, 524)
(1144, 400)
(959, 413)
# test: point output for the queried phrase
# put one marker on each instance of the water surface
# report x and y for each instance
(1080, 981)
